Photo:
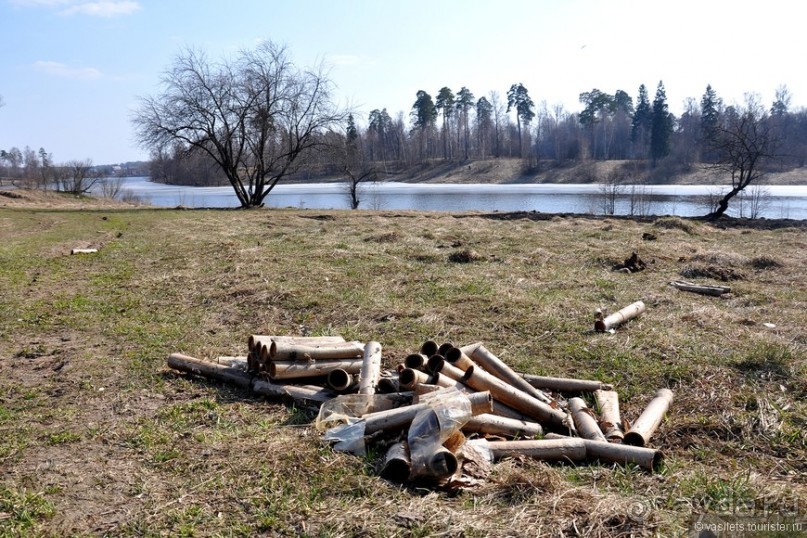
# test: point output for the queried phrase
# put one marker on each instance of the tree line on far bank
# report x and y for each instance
(258, 119)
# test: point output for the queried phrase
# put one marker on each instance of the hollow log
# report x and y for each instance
(715, 291)
(568, 449)
(409, 378)
(397, 463)
(564, 384)
(519, 400)
(211, 370)
(429, 348)
(444, 347)
(370, 368)
(283, 351)
(458, 359)
(642, 430)
(620, 317)
(302, 370)
(401, 417)
(496, 367)
(495, 425)
(610, 419)
(584, 420)
(342, 381)
(415, 360)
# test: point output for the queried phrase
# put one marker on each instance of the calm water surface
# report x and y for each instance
(681, 200)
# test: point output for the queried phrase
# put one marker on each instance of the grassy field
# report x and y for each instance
(98, 437)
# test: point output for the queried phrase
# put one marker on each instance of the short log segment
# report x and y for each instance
(610, 419)
(567, 449)
(397, 463)
(458, 359)
(211, 370)
(302, 370)
(370, 368)
(620, 317)
(496, 367)
(504, 426)
(415, 360)
(342, 381)
(642, 430)
(564, 384)
(83, 251)
(285, 351)
(584, 420)
(519, 400)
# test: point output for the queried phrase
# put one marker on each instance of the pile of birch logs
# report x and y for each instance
(442, 406)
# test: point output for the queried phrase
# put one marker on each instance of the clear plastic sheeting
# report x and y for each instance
(448, 410)
(348, 437)
(350, 407)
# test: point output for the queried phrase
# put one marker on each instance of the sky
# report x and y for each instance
(72, 71)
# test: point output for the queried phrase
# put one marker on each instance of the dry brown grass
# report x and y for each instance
(100, 438)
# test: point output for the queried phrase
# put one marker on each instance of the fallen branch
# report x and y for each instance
(715, 291)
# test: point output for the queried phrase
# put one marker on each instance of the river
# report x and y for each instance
(775, 201)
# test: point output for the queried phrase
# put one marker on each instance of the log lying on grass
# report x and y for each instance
(228, 374)
(83, 251)
(298, 393)
(647, 423)
(397, 463)
(646, 458)
(564, 449)
(610, 419)
(715, 291)
(620, 317)
(564, 384)
(584, 420)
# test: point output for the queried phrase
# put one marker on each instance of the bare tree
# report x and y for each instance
(76, 177)
(743, 145)
(256, 116)
(357, 168)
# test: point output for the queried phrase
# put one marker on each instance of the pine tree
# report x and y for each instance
(642, 123)
(518, 98)
(662, 126)
(710, 122)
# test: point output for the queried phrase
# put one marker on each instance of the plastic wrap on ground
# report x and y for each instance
(448, 411)
(342, 409)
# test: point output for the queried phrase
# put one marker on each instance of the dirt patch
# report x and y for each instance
(716, 272)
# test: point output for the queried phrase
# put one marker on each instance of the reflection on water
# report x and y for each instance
(682, 200)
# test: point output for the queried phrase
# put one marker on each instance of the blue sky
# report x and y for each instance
(71, 70)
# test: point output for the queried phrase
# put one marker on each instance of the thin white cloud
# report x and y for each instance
(58, 69)
(99, 8)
